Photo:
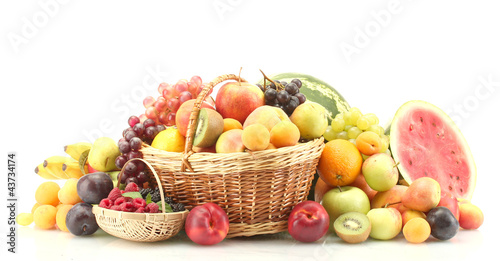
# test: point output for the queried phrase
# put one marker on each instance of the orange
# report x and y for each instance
(340, 163)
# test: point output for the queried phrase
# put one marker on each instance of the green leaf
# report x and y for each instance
(82, 161)
(148, 199)
(168, 208)
(132, 194)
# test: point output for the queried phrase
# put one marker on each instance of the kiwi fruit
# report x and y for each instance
(209, 127)
(352, 227)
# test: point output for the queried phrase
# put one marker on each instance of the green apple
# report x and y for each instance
(380, 172)
(340, 200)
(386, 223)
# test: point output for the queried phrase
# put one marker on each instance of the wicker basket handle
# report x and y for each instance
(193, 118)
(162, 196)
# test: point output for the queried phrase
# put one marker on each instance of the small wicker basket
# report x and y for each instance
(141, 227)
(256, 189)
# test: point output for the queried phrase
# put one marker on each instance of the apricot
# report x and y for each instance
(471, 216)
(271, 147)
(409, 214)
(416, 230)
(369, 143)
(230, 141)
(230, 123)
(255, 137)
(285, 134)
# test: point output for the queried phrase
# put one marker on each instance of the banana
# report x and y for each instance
(72, 169)
(54, 165)
(76, 149)
(42, 172)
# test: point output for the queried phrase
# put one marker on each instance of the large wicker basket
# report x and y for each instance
(256, 189)
(141, 227)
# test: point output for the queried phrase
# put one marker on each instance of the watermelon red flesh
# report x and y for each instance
(426, 143)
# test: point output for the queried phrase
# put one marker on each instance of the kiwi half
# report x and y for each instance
(352, 227)
(209, 127)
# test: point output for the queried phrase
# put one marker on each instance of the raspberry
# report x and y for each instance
(152, 208)
(140, 210)
(139, 203)
(127, 207)
(132, 187)
(115, 207)
(114, 194)
(106, 203)
(119, 201)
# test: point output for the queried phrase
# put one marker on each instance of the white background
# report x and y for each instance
(72, 71)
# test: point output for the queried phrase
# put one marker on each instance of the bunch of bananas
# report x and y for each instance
(64, 167)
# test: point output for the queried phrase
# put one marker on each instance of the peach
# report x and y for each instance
(423, 194)
(230, 124)
(255, 137)
(360, 182)
(237, 100)
(391, 197)
(410, 213)
(449, 201)
(230, 141)
(284, 134)
(267, 116)
(471, 216)
(369, 143)
(320, 189)
(183, 113)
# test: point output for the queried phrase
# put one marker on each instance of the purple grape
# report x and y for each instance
(125, 131)
(135, 144)
(148, 123)
(131, 180)
(160, 127)
(292, 88)
(120, 161)
(142, 177)
(124, 177)
(134, 155)
(129, 135)
(301, 97)
(283, 97)
(133, 120)
(150, 132)
(131, 168)
(138, 129)
(140, 166)
(124, 146)
(297, 82)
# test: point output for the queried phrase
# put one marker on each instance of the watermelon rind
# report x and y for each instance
(410, 173)
(317, 91)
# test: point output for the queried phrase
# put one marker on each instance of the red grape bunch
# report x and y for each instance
(163, 109)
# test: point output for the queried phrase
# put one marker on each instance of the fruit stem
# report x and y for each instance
(396, 164)
(390, 204)
(340, 189)
(239, 78)
(278, 85)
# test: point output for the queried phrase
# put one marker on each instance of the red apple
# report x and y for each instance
(91, 170)
(308, 221)
(237, 100)
(449, 201)
(207, 224)
(183, 113)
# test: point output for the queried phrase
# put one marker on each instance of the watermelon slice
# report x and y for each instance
(427, 143)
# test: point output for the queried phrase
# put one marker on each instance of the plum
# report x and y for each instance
(93, 187)
(80, 220)
(443, 223)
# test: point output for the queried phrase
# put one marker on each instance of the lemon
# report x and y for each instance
(169, 139)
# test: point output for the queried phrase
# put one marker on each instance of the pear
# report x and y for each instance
(311, 119)
(103, 153)
(423, 194)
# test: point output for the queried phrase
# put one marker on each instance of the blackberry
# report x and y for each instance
(145, 191)
(177, 207)
(155, 195)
